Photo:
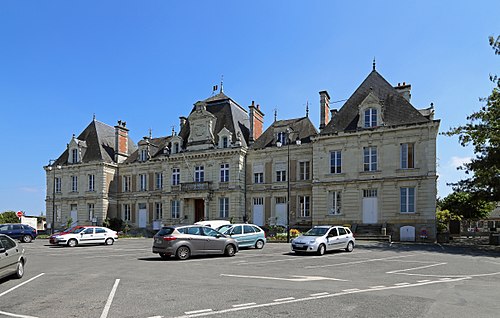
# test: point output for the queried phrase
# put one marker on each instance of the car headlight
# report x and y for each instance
(312, 241)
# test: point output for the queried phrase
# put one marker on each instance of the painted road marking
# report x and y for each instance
(360, 262)
(15, 287)
(319, 294)
(423, 281)
(14, 315)
(351, 290)
(296, 279)
(202, 311)
(380, 286)
(243, 305)
(297, 258)
(110, 299)
(402, 284)
(415, 268)
(284, 299)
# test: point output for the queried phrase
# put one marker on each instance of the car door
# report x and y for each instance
(343, 237)
(249, 235)
(100, 235)
(8, 256)
(196, 239)
(332, 239)
(215, 242)
(236, 232)
(87, 236)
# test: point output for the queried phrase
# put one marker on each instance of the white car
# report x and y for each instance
(87, 235)
(214, 224)
(320, 239)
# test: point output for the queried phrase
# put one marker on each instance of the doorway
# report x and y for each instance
(199, 210)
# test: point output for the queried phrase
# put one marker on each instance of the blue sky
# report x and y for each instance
(148, 62)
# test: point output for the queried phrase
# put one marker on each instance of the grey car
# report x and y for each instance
(320, 239)
(12, 258)
(185, 241)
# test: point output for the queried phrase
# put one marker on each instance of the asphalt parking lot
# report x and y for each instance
(375, 280)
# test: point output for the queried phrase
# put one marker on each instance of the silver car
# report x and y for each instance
(185, 241)
(12, 258)
(320, 239)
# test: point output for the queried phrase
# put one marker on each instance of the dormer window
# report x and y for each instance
(224, 142)
(175, 148)
(143, 155)
(225, 138)
(281, 138)
(370, 117)
(74, 156)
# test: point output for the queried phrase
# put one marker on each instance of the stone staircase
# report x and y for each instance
(370, 232)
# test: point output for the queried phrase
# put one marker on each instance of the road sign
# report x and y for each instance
(19, 214)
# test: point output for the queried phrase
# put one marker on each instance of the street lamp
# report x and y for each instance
(287, 139)
(51, 163)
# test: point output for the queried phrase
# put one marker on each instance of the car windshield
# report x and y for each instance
(224, 228)
(76, 231)
(165, 231)
(316, 231)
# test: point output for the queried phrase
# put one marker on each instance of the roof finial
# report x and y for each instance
(221, 83)
(93, 117)
(307, 108)
(173, 130)
(374, 63)
(275, 113)
(150, 133)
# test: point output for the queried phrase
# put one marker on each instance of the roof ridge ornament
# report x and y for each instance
(374, 63)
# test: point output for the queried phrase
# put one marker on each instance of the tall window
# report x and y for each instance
(199, 174)
(281, 137)
(159, 180)
(144, 155)
(258, 173)
(176, 147)
(58, 185)
(305, 205)
(176, 176)
(127, 215)
(281, 171)
(407, 196)
(224, 172)
(223, 208)
(304, 170)
(158, 211)
(370, 117)
(74, 184)
(175, 209)
(143, 182)
(90, 208)
(91, 182)
(336, 161)
(370, 158)
(407, 156)
(335, 203)
(224, 142)
(74, 155)
(127, 181)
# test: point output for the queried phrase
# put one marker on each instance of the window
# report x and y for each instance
(304, 205)
(58, 213)
(224, 142)
(258, 201)
(176, 176)
(407, 196)
(281, 137)
(336, 161)
(159, 180)
(224, 172)
(407, 156)
(370, 118)
(144, 155)
(258, 173)
(223, 208)
(199, 174)
(90, 209)
(175, 209)
(74, 184)
(335, 203)
(280, 175)
(369, 193)
(91, 182)
(57, 185)
(280, 200)
(304, 170)
(370, 158)
(158, 211)
(143, 182)
(126, 183)
(99, 230)
(247, 229)
(126, 212)
(176, 147)
(74, 155)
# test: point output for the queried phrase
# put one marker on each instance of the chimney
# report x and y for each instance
(121, 142)
(256, 122)
(182, 120)
(404, 90)
(333, 112)
(324, 105)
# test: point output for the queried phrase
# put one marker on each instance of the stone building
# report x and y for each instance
(373, 162)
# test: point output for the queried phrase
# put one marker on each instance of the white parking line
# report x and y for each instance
(319, 294)
(360, 262)
(15, 287)
(296, 279)
(14, 315)
(243, 305)
(297, 258)
(110, 299)
(284, 299)
(202, 311)
(380, 286)
(415, 268)
(401, 284)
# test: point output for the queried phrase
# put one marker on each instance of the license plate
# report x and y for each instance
(159, 241)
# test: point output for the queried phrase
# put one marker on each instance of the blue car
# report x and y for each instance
(247, 235)
(21, 232)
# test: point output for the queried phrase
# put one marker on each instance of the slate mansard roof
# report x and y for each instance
(396, 110)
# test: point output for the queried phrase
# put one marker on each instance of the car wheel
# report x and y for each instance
(164, 256)
(20, 270)
(109, 241)
(183, 253)
(259, 244)
(27, 239)
(349, 247)
(230, 250)
(72, 243)
(321, 249)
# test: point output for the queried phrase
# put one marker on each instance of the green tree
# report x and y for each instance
(9, 217)
(465, 206)
(483, 132)
(443, 218)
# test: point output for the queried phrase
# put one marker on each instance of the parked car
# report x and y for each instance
(214, 224)
(87, 235)
(12, 258)
(64, 231)
(185, 241)
(17, 231)
(247, 235)
(320, 239)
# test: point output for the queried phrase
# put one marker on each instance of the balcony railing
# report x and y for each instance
(195, 186)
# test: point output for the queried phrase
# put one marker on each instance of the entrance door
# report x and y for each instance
(281, 211)
(258, 211)
(407, 234)
(74, 214)
(370, 206)
(143, 214)
(199, 210)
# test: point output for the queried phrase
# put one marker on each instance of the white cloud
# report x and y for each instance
(29, 189)
(456, 162)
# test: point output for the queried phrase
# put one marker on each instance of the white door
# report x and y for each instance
(407, 234)
(74, 217)
(143, 213)
(281, 214)
(370, 210)
(258, 211)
